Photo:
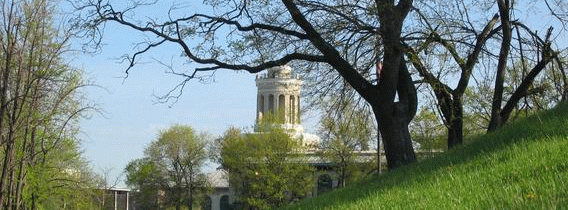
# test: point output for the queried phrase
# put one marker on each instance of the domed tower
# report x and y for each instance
(279, 94)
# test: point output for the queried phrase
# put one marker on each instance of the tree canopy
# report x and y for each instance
(40, 103)
(169, 174)
(267, 168)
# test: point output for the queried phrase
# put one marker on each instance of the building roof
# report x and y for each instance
(218, 178)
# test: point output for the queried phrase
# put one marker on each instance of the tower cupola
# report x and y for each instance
(279, 95)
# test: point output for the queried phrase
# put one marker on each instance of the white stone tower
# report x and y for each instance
(279, 94)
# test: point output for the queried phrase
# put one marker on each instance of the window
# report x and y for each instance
(325, 183)
(207, 203)
(224, 202)
(281, 106)
(292, 112)
(271, 103)
(261, 106)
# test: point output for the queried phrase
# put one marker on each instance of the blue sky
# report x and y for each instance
(130, 117)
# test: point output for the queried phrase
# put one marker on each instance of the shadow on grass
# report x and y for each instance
(551, 123)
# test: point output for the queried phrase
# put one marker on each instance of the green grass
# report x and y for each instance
(522, 166)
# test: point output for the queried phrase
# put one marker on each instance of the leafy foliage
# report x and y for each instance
(427, 130)
(346, 130)
(41, 162)
(266, 168)
(62, 179)
(143, 175)
(169, 174)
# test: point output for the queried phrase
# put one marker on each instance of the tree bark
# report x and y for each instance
(393, 118)
(394, 124)
(455, 121)
(496, 120)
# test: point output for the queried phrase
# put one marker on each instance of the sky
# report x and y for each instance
(130, 117)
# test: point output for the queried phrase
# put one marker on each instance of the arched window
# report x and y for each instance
(261, 105)
(292, 112)
(207, 203)
(325, 183)
(281, 107)
(271, 103)
(224, 202)
(297, 115)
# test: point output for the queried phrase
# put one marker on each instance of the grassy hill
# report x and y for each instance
(522, 166)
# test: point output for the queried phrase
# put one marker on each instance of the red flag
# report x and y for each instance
(379, 69)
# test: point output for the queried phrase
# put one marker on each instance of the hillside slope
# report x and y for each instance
(522, 166)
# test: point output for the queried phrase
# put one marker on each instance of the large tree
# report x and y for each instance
(172, 167)
(344, 38)
(267, 168)
(39, 107)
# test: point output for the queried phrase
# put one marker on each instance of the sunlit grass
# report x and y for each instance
(522, 166)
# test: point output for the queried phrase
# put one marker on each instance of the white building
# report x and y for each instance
(219, 198)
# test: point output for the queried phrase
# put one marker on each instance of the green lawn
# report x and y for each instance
(522, 166)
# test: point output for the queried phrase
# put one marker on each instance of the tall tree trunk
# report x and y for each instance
(395, 138)
(393, 118)
(455, 121)
(343, 171)
(449, 101)
(190, 202)
(496, 120)
(191, 189)
(11, 187)
(394, 124)
(21, 180)
(9, 164)
(28, 151)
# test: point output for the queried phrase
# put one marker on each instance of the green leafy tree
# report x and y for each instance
(427, 130)
(40, 102)
(61, 179)
(170, 173)
(266, 168)
(144, 177)
(346, 129)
